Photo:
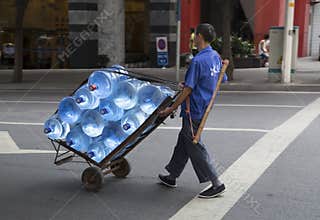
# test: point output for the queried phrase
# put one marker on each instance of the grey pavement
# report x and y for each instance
(32, 187)
(307, 78)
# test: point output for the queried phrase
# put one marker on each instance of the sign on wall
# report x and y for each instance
(162, 51)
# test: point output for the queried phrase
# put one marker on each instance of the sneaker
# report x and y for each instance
(212, 192)
(165, 180)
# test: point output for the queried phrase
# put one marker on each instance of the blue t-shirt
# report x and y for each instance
(202, 77)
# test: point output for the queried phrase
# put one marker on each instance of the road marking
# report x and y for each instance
(20, 123)
(6, 142)
(270, 92)
(22, 151)
(8, 146)
(217, 105)
(259, 106)
(219, 129)
(161, 127)
(244, 172)
(29, 102)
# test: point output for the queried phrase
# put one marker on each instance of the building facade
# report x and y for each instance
(94, 33)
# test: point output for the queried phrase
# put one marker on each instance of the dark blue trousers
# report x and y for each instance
(198, 154)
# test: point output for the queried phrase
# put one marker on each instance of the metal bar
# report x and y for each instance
(135, 135)
(178, 40)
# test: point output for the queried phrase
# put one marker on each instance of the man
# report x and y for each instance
(200, 82)
(263, 48)
(192, 44)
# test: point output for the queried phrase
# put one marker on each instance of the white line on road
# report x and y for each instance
(22, 151)
(259, 106)
(270, 92)
(29, 102)
(219, 129)
(20, 123)
(6, 142)
(8, 146)
(244, 172)
(161, 127)
(217, 105)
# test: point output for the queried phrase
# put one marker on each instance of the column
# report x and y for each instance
(112, 31)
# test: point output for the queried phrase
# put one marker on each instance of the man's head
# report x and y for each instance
(266, 36)
(191, 30)
(205, 34)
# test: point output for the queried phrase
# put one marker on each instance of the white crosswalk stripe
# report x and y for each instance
(8, 146)
(244, 172)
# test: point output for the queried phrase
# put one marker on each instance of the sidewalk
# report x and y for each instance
(307, 78)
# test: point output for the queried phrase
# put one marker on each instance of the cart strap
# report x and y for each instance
(189, 115)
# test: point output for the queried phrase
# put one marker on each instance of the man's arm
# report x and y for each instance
(183, 95)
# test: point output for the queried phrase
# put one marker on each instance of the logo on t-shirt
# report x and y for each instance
(213, 70)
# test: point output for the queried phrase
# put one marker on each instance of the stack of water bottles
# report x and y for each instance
(102, 113)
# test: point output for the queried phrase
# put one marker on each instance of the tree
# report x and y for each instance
(21, 6)
(219, 13)
(226, 9)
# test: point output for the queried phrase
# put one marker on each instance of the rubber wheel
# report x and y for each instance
(122, 168)
(92, 179)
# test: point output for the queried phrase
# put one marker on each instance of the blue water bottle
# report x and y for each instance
(92, 123)
(56, 129)
(125, 95)
(149, 98)
(68, 111)
(101, 83)
(132, 120)
(86, 99)
(119, 69)
(78, 140)
(96, 151)
(113, 135)
(109, 110)
(166, 91)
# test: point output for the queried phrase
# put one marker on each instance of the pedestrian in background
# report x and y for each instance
(264, 49)
(192, 44)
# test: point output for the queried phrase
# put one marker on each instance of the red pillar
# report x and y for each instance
(301, 19)
(190, 17)
(267, 14)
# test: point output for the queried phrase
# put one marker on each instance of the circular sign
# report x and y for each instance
(161, 44)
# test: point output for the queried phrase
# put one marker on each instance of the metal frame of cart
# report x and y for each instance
(115, 162)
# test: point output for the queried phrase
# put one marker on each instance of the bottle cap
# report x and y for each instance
(79, 100)
(47, 130)
(92, 87)
(126, 126)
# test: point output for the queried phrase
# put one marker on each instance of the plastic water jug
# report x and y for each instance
(78, 140)
(125, 95)
(92, 123)
(86, 99)
(109, 110)
(149, 98)
(96, 151)
(102, 83)
(68, 111)
(166, 91)
(132, 120)
(113, 135)
(56, 129)
(120, 69)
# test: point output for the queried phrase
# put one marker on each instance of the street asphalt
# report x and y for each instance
(33, 188)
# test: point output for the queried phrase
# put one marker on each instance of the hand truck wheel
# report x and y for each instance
(92, 179)
(120, 168)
